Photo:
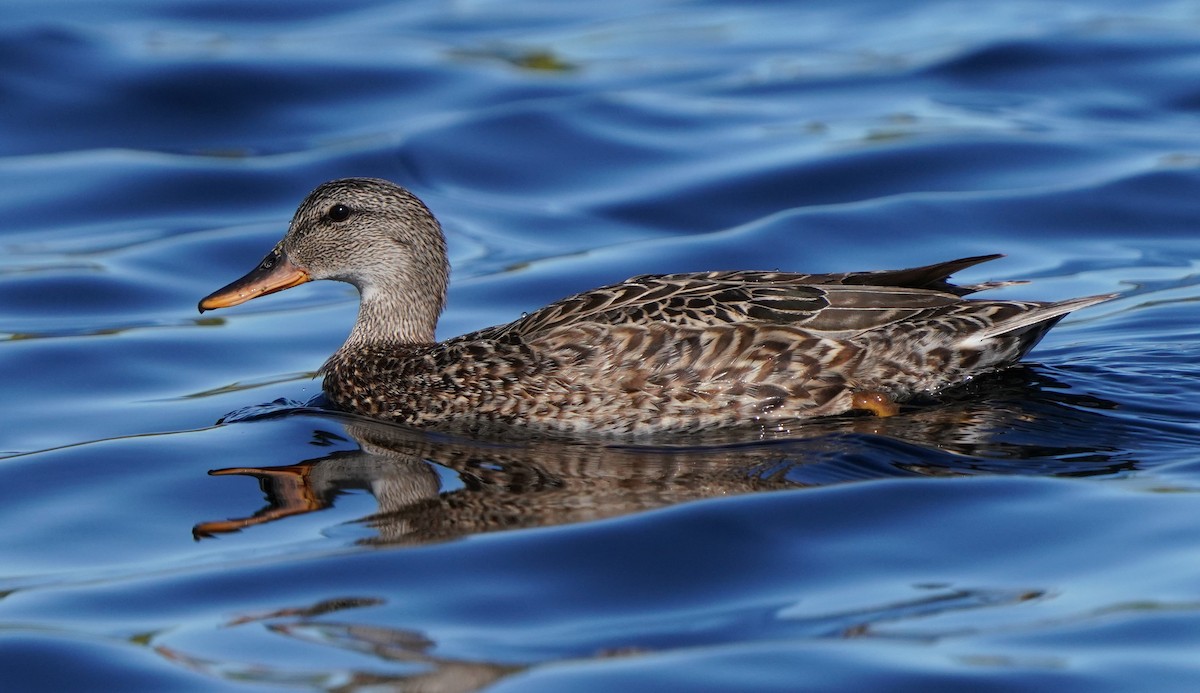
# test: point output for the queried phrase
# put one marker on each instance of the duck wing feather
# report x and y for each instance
(834, 304)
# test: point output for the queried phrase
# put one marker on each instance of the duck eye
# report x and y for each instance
(339, 212)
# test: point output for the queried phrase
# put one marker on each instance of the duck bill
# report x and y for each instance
(274, 273)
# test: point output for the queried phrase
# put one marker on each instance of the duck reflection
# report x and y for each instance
(1015, 422)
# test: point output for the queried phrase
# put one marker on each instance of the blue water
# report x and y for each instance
(180, 514)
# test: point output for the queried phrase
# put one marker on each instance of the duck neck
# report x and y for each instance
(401, 293)
(389, 315)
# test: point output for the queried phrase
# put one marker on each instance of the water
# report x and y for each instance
(180, 517)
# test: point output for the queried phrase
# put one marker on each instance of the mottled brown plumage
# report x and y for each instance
(655, 353)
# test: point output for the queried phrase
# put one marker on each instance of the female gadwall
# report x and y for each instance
(655, 353)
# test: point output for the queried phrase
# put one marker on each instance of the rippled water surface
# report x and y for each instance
(180, 512)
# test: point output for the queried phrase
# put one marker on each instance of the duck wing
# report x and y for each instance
(834, 304)
(935, 277)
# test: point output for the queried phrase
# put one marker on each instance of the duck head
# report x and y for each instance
(370, 233)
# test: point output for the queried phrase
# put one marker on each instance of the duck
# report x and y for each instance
(664, 353)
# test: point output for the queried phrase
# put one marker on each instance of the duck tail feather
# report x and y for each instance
(1045, 315)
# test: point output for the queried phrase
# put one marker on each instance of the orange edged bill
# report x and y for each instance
(274, 273)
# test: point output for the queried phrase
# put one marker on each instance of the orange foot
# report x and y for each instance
(875, 402)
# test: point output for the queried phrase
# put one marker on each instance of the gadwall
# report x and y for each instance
(655, 353)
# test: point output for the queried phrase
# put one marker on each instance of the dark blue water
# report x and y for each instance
(176, 517)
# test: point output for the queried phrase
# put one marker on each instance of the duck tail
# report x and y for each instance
(1034, 322)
